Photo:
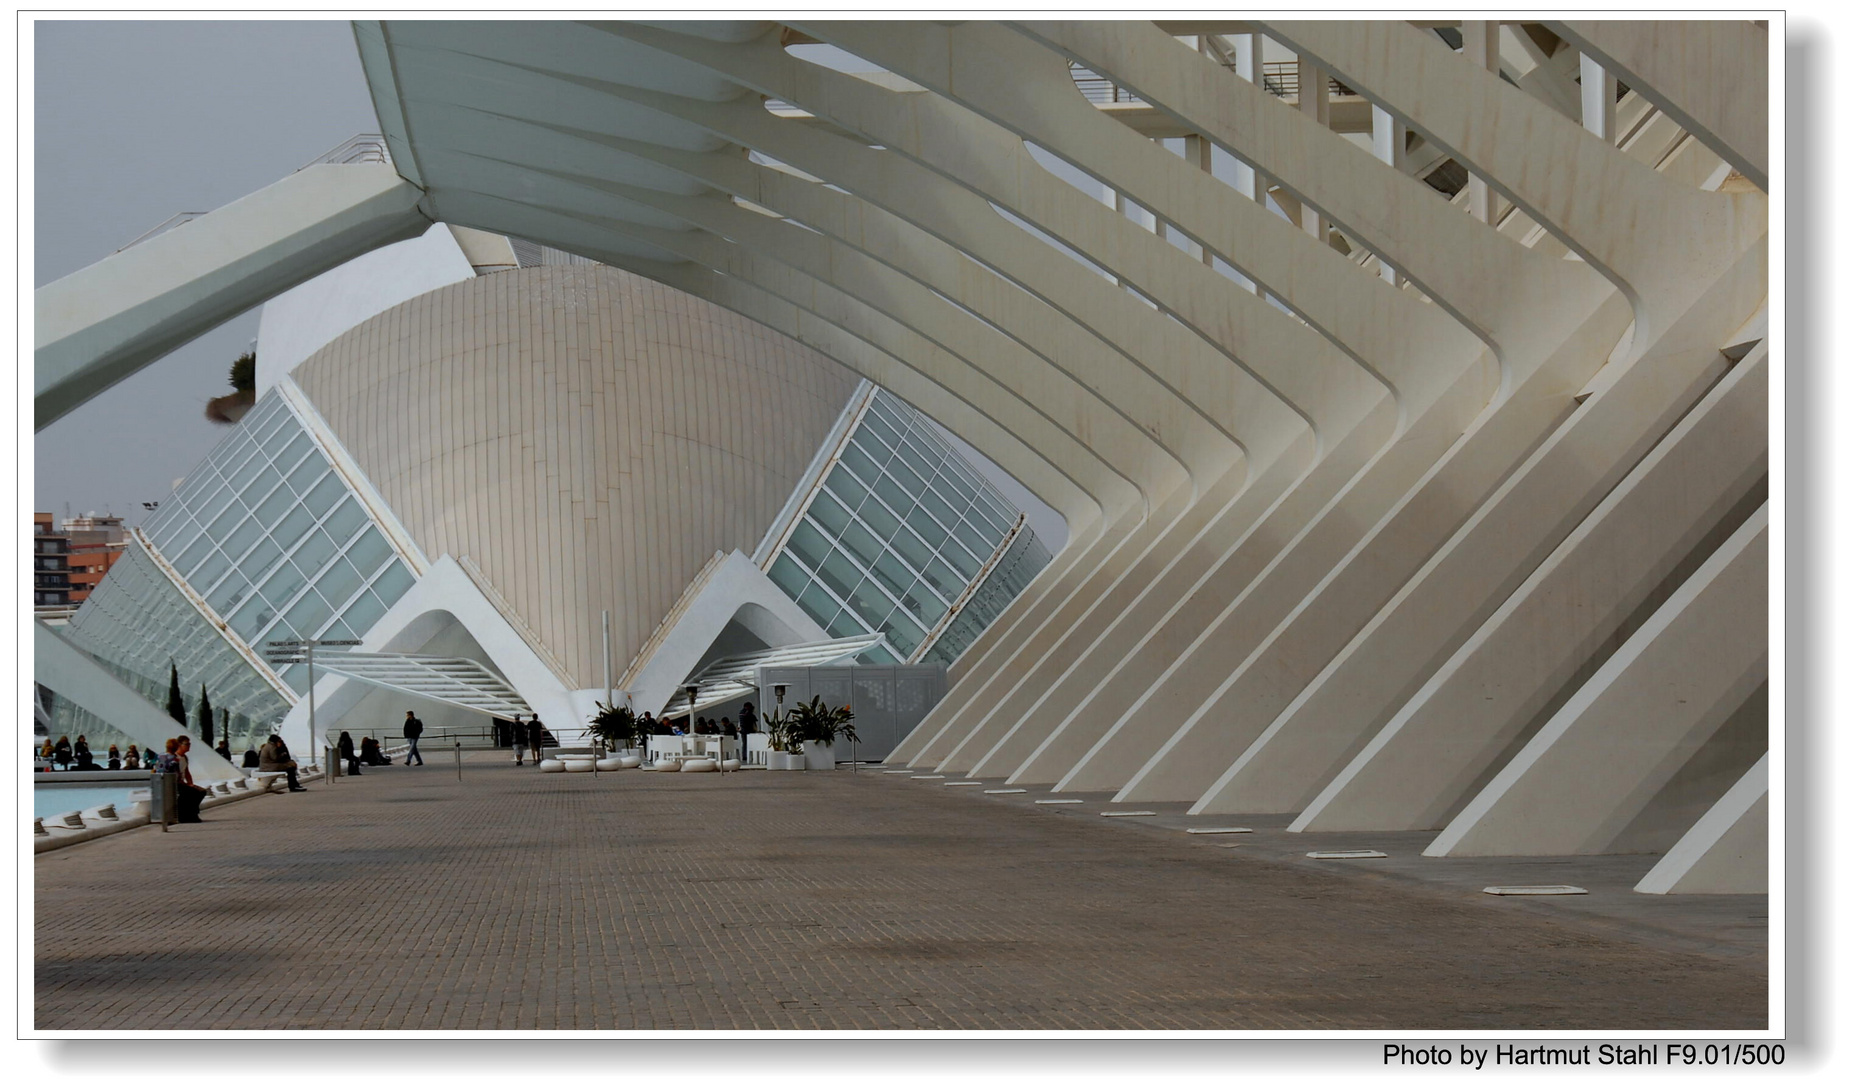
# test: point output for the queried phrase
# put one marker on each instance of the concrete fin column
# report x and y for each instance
(1677, 64)
(1441, 749)
(109, 320)
(1728, 850)
(1688, 309)
(1603, 757)
(1543, 632)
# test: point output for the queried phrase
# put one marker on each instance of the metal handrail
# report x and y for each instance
(171, 223)
(1283, 79)
(363, 149)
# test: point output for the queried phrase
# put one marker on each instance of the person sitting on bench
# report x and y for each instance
(275, 757)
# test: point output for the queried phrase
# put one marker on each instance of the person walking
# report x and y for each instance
(414, 728)
(534, 737)
(519, 740)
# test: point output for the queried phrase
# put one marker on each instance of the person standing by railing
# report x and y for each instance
(414, 728)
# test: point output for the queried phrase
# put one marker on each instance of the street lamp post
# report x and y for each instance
(779, 710)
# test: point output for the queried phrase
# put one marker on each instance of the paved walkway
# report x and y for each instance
(515, 900)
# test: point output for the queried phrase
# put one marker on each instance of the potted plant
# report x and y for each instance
(782, 742)
(614, 726)
(817, 727)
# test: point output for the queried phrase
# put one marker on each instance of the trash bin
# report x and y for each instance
(164, 799)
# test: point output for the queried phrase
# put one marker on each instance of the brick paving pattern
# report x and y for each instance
(403, 899)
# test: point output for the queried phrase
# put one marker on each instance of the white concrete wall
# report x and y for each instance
(301, 321)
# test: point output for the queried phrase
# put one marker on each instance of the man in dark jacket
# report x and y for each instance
(534, 737)
(414, 728)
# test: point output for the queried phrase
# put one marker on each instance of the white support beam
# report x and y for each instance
(109, 320)
(1597, 92)
(1605, 755)
(74, 675)
(1728, 850)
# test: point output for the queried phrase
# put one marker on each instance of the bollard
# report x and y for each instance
(164, 799)
(457, 755)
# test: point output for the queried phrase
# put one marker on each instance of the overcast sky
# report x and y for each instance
(134, 122)
(137, 121)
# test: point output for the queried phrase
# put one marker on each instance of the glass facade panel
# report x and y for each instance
(293, 526)
(238, 561)
(818, 602)
(324, 495)
(308, 474)
(924, 604)
(962, 562)
(340, 580)
(317, 549)
(901, 502)
(283, 584)
(861, 463)
(877, 518)
(845, 625)
(862, 543)
(136, 623)
(871, 603)
(892, 573)
(363, 613)
(308, 614)
(393, 584)
(347, 518)
(899, 629)
(839, 574)
(829, 514)
(926, 527)
(786, 573)
(369, 552)
(845, 485)
(978, 545)
(808, 544)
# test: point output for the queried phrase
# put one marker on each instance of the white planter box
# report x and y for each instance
(779, 761)
(820, 756)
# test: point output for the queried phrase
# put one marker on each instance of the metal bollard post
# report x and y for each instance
(164, 799)
(457, 755)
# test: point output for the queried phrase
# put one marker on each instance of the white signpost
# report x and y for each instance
(304, 651)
